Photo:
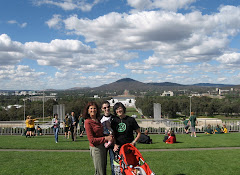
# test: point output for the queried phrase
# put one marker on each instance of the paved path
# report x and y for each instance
(141, 150)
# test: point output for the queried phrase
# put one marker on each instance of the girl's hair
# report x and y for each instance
(85, 112)
(117, 105)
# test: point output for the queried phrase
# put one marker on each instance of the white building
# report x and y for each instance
(167, 93)
(128, 101)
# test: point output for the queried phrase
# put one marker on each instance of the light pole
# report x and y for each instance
(190, 106)
(43, 105)
(24, 108)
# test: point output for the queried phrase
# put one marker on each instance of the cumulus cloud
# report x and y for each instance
(229, 58)
(11, 52)
(175, 38)
(18, 76)
(54, 22)
(82, 5)
(172, 5)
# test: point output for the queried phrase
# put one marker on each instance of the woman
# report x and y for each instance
(66, 124)
(27, 126)
(56, 125)
(123, 127)
(94, 130)
(209, 130)
(31, 126)
(171, 138)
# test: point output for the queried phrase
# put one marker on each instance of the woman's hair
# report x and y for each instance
(85, 111)
(117, 105)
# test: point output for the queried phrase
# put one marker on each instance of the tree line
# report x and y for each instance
(171, 107)
(202, 106)
(35, 108)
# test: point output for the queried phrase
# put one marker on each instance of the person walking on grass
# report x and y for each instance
(73, 126)
(193, 121)
(56, 126)
(66, 123)
(81, 125)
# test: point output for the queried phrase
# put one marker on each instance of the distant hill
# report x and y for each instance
(122, 84)
(134, 85)
(165, 84)
(131, 84)
(212, 85)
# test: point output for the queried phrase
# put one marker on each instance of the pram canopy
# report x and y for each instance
(132, 162)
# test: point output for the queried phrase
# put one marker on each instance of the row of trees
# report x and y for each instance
(35, 109)
(170, 106)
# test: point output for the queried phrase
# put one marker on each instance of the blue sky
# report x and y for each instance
(61, 44)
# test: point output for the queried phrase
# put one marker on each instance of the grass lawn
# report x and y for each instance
(202, 162)
(184, 141)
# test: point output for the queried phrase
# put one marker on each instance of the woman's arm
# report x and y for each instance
(91, 135)
(138, 136)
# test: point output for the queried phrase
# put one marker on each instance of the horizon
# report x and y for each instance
(65, 44)
(118, 81)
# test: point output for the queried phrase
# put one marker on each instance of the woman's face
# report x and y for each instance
(92, 111)
(120, 111)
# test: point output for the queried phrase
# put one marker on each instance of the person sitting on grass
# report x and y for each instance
(224, 129)
(145, 138)
(209, 130)
(217, 130)
(39, 131)
(171, 137)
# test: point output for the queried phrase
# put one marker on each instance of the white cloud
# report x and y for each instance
(11, 52)
(175, 38)
(172, 5)
(69, 4)
(18, 76)
(137, 66)
(229, 58)
(54, 22)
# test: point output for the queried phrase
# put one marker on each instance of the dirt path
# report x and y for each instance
(141, 150)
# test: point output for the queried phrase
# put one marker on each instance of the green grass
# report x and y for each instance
(162, 163)
(212, 162)
(184, 141)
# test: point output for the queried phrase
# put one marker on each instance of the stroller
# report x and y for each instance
(131, 161)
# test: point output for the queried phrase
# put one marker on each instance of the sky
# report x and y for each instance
(61, 44)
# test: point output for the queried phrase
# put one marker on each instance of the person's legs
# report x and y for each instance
(57, 130)
(98, 155)
(56, 134)
(72, 132)
(75, 133)
(111, 155)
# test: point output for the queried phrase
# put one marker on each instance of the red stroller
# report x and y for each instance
(131, 161)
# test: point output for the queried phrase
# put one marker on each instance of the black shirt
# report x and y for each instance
(123, 129)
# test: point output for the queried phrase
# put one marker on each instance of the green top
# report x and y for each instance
(218, 131)
(81, 121)
(209, 130)
(193, 119)
(185, 122)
